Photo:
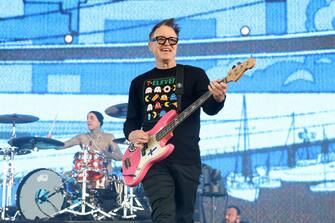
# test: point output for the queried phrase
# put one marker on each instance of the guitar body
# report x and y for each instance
(136, 162)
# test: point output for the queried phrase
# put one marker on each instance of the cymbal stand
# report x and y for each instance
(127, 201)
(8, 178)
(7, 181)
(95, 211)
(14, 130)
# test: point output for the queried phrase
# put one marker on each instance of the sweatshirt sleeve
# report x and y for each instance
(210, 107)
(134, 119)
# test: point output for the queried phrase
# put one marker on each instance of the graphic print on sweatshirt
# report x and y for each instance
(159, 97)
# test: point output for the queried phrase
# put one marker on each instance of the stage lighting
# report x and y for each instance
(68, 38)
(245, 30)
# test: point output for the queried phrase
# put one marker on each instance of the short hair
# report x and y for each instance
(238, 210)
(99, 116)
(167, 22)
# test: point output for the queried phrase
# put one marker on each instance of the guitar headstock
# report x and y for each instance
(237, 71)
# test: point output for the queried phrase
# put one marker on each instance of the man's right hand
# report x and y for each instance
(138, 137)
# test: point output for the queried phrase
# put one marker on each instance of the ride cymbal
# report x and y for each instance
(117, 111)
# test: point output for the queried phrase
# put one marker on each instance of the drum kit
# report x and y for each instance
(45, 194)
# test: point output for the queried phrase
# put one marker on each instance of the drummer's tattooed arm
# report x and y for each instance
(71, 142)
(114, 152)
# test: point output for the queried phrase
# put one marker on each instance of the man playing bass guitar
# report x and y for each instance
(171, 183)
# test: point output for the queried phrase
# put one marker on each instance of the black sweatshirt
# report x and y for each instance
(152, 94)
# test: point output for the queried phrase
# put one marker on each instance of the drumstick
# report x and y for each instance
(52, 126)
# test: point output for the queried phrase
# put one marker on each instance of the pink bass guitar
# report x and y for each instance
(137, 161)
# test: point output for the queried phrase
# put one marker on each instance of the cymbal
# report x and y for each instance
(29, 142)
(117, 111)
(17, 118)
(23, 152)
(123, 141)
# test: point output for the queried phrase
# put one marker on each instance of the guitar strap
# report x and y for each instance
(179, 85)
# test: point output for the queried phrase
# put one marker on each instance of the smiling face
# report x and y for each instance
(92, 121)
(165, 54)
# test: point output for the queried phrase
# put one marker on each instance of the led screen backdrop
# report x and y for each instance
(274, 140)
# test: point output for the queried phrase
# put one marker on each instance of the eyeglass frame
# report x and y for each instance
(165, 39)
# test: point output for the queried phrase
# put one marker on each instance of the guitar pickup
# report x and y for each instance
(127, 163)
(144, 148)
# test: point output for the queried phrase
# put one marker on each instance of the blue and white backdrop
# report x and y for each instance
(274, 140)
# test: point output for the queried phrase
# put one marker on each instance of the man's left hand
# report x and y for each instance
(218, 89)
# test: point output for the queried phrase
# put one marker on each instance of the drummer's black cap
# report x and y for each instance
(99, 116)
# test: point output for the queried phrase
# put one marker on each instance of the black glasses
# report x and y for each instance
(161, 40)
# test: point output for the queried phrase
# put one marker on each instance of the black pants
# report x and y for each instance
(171, 189)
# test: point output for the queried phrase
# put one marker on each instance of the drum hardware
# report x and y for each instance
(126, 200)
(8, 181)
(8, 157)
(117, 111)
(83, 203)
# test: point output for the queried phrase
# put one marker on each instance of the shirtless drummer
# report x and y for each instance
(97, 140)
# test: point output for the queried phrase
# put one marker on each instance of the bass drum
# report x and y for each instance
(41, 194)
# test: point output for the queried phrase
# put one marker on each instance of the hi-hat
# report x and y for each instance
(122, 141)
(17, 118)
(29, 142)
(16, 151)
(117, 111)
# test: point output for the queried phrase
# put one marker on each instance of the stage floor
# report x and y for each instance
(98, 221)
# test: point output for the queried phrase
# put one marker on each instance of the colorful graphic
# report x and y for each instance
(159, 97)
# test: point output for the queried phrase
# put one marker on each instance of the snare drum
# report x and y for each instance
(96, 166)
